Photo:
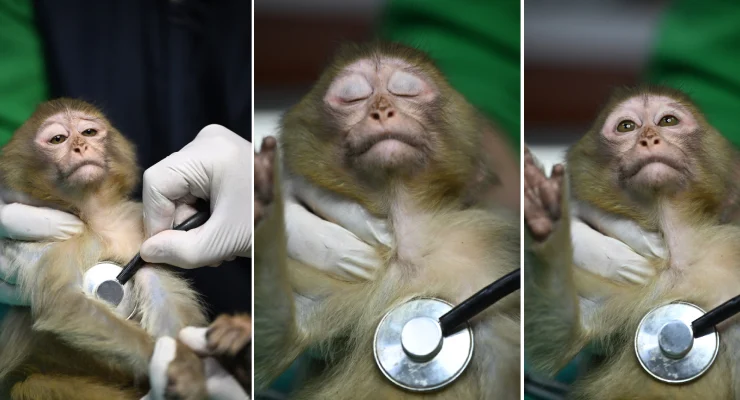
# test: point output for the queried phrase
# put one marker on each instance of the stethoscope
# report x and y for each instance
(678, 342)
(425, 343)
(109, 282)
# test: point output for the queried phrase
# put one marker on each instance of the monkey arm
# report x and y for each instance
(59, 306)
(554, 332)
(166, 304)
(274, 319)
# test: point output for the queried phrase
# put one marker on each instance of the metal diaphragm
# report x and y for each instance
(412, 353)
(666, 347)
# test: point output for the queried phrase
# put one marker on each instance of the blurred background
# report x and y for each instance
(294, 40)
(575, 53)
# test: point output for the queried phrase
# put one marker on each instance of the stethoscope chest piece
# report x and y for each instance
(666, 347)
(411, 351)
(99, 282)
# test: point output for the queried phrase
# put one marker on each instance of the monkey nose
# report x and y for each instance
(649, 139)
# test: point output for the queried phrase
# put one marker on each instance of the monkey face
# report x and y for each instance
(650, 137)
(381, 108)
(73, 143)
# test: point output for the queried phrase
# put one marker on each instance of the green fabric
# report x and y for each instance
(476, 44)
(22, 74)
(697, 49)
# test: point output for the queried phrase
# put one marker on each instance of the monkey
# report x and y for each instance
(650, 157)
(383, 128)
(68, 156)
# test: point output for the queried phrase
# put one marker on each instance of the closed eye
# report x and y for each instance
(405, 84)
(353, 89)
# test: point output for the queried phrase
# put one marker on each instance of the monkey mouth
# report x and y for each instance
(77, 167)
(635, 168)
(355, 150)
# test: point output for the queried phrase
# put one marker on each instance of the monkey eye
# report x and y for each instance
(626, 126)
(58, 139)
(353, 88)
(405, 84)
(90, 132)
(668, 120)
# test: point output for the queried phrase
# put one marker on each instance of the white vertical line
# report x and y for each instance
(252, 200)
(521, 199)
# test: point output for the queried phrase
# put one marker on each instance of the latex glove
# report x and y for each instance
(28, 223)
(219, 383)
(342, 242)
(216, 166)
(617, 248)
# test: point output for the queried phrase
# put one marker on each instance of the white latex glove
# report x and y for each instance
(216, 166)
(28, 223)
(617, 248)
(341, 243)
(219, 383)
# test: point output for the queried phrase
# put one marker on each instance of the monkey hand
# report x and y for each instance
(617, 249)
(216, 166)
(541, 197)
(175, 373)
(342, 242)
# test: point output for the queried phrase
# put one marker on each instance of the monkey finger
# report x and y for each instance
(550, 193)
(539, 228)
(269, 143)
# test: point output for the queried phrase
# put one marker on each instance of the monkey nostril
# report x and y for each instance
(643, 142)
(390, 114)
(375, 116)
(656, 141)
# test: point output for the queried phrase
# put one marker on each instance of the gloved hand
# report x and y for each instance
(617, 249)
(341, 242)
(24, 222)
(219, 383)
(216, 166)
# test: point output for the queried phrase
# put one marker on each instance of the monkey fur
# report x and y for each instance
(445, 247)
(566, 308)
(66, 344)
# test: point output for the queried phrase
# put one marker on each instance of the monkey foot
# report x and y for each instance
(541, 197)
(263, 177)
(228, 335)
(185, 376)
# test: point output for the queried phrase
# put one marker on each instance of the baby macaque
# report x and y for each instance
(651, 157)
(383, 128)
(69, 345)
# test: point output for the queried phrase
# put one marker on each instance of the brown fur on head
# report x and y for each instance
(336, 135)
(604, 165)
(29, 165)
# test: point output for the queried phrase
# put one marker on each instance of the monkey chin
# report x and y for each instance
(657, 178)
(86, 175)
(391, 155)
